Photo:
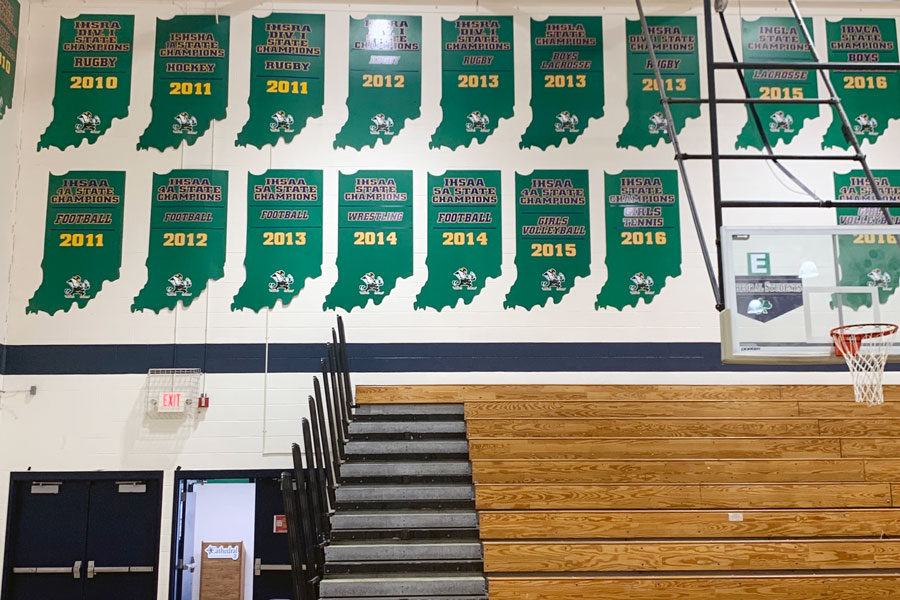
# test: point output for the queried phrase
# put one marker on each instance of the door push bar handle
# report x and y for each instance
(93, 570)
(258, 567)
(74, 570)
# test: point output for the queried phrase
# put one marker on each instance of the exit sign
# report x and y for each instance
(170, 402)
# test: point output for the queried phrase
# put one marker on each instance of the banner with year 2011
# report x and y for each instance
(553, 236)
(93, 78)
(287, 77)
(675, 43)
(643, 236)
(465, 242)
(478, 79)
(870, 98)
(777, 39)
(566, 79)
(385, 79)
(190, 80)
(188, 215)
(375, 243)
(9, 41)
(284, 237)
(82, 239)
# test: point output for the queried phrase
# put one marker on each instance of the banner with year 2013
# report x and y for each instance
(93, 78)
(82, 239)
(190, 80)
(9, 41)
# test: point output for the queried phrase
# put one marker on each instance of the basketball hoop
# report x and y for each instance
(865, 348)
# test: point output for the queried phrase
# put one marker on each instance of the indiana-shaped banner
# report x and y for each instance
(675, 43)
(82, 239)
(566, 79)
(284, 237)
(870, 98)
(553, 236)
(385, 79)
(465, 243)
(9, 41)
(93, 78)
(190, 80)
(643, 236)
(287, 77)
(777, 39)
(375, 238)
(478, 79)
(188, 215)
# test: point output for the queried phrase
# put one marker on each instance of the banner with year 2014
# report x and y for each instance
(9, 41)
(553, 236)
(188, 215)
(82, 239)
(287, 77)
(190, 80)
(93, 78)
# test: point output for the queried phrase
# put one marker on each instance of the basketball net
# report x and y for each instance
(865, 349)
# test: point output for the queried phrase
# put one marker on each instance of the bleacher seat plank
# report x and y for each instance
(717, 555)
(860, 427)
(827, 410)
(796, 495)
(669, 471)
(620, 524)
(870, 447)
(603, 409)
(622, 427)
(882, 469)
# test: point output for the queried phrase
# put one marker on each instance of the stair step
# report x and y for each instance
(388, 520)
(402, 551)
(426, 586)
(409, 412)
(351, 470)
(375, 493)
(460, 534)
(390, 568)
(407, 427)
(406, 450)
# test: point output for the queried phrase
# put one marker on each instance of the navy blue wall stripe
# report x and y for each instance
(378, 358)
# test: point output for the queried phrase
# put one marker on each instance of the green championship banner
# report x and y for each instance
(82, 239)
(375, 237)
(284, 237)
(777, 39)
(9, 41)
(643, 236)
(188, 215)
(465, 241)
(93, 78)
(870, 260)
(478, 79)
(566, 79)
(871, 98)
(675, 43)
(287, 77)
(385, 79)
(190, 80)
(553, 236)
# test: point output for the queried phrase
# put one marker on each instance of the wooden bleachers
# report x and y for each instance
(681, 492)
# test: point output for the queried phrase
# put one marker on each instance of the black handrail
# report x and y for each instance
(295, 543)
(334, 414)
(307, 528)
(345, 361)
(318, 491)
(328, 455)
(337, 391)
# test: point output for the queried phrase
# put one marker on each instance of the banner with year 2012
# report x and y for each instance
(190, 80)
(284, 237)
(643, 236)
(385, 79)
(9, 41)
(478, 79)
(82, 239)
(287, 77)
(188, 215)
(675, 43)
(553, 236)
(870, 98)
(566, 79)
(465, 242)
(93, 78)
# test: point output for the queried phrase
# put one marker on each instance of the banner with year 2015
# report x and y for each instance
(553, 236)
(385, 79)
(190, 80)
(870, 98)
(9, 41)
(82, 239)
(675, 43)
(287, 77)
(188, 215)
(93, 78)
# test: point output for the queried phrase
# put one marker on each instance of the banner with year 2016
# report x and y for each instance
(9, 41)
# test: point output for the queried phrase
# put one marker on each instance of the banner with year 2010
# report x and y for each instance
(82, 239)
(284, 237)
(287, 77)
(675, 43)
(870, 98)
(190, 80)
(385, 79)
(93, 78)
(478, 79)
(9, 41)
(643, 236)
(188, 215)
(553, 236)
